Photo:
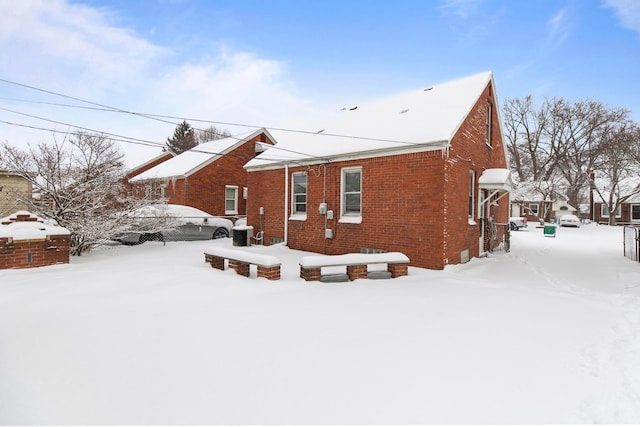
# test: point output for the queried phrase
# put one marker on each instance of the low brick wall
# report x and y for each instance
(34, 252)
(34, 245)
(268, 266)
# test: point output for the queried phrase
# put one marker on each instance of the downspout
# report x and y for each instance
(286, 192)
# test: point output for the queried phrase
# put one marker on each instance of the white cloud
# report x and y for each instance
(558, 28)
(462, 8)
(627, 11)
(80, 51)
(56, 37)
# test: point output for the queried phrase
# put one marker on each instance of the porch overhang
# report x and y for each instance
(496, 179)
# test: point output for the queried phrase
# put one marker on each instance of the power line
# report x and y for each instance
(117, 138)
(79, 127)
(160, 117)
(141, 142)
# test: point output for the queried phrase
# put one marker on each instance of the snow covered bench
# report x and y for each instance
(240, 261)
(357, 264)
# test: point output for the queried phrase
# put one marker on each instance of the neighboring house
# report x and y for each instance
(532, 209)
(560, 208)
(627, 213)
(209, 177)
(420, 173)
(15, 192)
(534, 201)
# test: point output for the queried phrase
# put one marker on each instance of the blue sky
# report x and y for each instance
(282, 63)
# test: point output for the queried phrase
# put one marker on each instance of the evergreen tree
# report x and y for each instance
(183, 139)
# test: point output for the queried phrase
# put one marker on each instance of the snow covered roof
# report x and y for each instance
(496, 179)
(151, 160)
(193, 160)
(413, 121)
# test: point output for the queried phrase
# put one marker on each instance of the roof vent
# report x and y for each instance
(428, 89)
(404, 111)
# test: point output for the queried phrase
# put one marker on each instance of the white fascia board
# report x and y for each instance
(432, 146)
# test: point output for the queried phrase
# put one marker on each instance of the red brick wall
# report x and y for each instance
(402, 205)
(404, 199)
(266, 189)
(469, 150)
(44, 252)
(205, 189)
(51, 250)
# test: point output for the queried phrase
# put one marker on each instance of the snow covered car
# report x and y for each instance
(569, 221)
(517, 222)
(174, 223)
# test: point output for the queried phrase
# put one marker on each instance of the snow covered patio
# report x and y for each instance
(151, 334)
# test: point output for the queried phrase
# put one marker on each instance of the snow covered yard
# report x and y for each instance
(151, 334)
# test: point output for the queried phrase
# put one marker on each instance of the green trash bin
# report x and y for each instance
(550, 231)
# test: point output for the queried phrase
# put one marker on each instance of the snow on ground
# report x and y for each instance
(151, 334)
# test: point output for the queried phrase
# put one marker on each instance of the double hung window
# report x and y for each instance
(472, 183)
(231, 200)
(299, 194)
(351, 190)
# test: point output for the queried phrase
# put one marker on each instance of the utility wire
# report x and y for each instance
(161, 118)
(79, 127)
(141, 142)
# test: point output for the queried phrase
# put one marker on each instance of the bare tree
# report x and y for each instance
(559, 141)
(210, 133)
(80, 183)
(617, 175)
(526, 131)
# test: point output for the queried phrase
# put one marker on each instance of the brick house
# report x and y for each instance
(423, 173)
(209, 177)
(13, 189)
(533, 209)
(627, 212)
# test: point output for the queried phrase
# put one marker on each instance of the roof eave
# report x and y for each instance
(415, 148)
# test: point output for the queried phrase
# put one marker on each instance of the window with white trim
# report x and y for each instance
(351, 192)
(231, 199)
(604, 211)
(534, 208)
(299, 193)
(488, 130)
(635, 212)
(472, 192)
